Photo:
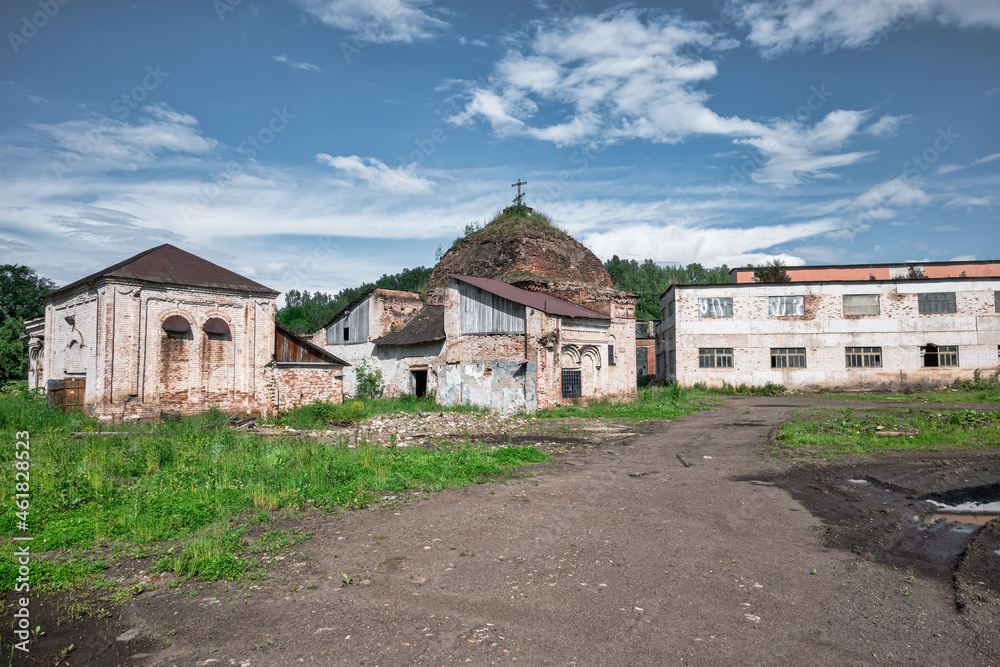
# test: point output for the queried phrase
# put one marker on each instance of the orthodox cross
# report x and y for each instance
(517, 200)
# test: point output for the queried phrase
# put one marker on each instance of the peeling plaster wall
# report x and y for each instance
(824, 331)
(501, 386)
(398, 361)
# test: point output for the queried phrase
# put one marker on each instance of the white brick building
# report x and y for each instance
(842, 335)
(166, 329)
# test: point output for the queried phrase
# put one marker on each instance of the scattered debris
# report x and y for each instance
(683, 462)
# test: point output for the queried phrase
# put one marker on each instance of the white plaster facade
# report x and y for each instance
(899, 331)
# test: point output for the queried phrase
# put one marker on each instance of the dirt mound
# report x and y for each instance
(521, 247)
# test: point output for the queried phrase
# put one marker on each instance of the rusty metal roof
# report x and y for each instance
(427, 326)
(549, 305)
(170, 265)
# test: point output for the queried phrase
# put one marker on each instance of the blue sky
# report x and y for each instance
(317, 144)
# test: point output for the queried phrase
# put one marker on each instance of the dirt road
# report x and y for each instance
(608, 556)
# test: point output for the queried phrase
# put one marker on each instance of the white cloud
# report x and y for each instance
(674, 242)
(377, 174)
(378, 20)
(887, 125)
(629, 74)
(100, 142)
(780, 26)
(949, 168)
(968, 201)
(309, 67)
(988, 158)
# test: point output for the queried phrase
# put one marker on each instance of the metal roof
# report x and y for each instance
(549, 305)
(426, 327)
(170, 265)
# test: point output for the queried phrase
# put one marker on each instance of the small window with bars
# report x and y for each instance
(715, 307)
(715, 357)
(572, 384)
(861, 304)
(935, 303)
(940, 355)
(864, 357)
(786, 306)
(788, 357)
(611, 355)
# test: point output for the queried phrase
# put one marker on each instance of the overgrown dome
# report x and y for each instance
(521, 246)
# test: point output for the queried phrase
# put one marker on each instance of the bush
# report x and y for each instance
(369, 378)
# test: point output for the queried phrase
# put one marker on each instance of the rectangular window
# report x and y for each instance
(940, 355)
(933, 303)
(786, 306)
(788, 357)
(864, 357)
(861, 304)
(572, 387)
(611, 355)
(670, 308)
(996, 301)
(715, 307)
(715, 357)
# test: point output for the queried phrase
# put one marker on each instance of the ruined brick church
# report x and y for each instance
(516, 316)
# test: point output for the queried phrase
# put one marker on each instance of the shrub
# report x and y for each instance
(369, 377)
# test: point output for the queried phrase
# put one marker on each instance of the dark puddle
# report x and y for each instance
(886, 515)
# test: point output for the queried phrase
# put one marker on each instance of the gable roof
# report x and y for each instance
(346, 309)
(427, 326)
(549, 305)
(170, 265)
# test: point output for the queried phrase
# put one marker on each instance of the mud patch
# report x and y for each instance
(927, 512)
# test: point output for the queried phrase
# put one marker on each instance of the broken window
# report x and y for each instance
(939, 355)
(572, 384)
(715, 357)
(670, 308)
(786, 306)
(934, 303)
(788, 357)
(861, 304)
(715, 307)
(611, 355)
(864, 357)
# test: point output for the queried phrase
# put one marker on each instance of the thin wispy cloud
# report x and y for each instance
(378, 20)
(308, 67)
(377, 174)
(779, 26)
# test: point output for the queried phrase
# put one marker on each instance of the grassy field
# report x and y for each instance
(668, 402)
(825, 432)
(186, 496)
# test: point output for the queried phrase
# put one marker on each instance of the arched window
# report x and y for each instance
(217, 329)
(177, 327)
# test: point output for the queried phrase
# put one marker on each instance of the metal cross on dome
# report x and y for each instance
(520, 195)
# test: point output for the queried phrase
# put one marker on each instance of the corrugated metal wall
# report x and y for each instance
(486, 313)
(356, 323)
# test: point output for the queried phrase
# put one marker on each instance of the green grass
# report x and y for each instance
(769, 389)
(825, 432)
(319, 415)
(670, 402)
(198, 489)
(935, 396)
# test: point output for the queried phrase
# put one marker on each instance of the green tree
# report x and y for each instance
(771, 272)
(649, 280)
(21, 292)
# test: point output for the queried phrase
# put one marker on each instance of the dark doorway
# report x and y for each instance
(418, 381)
